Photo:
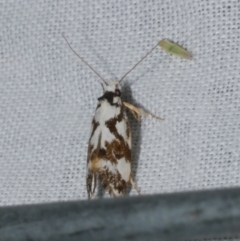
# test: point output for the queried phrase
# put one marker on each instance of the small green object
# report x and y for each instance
(174, 49)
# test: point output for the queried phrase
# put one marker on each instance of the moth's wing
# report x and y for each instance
(110, 148)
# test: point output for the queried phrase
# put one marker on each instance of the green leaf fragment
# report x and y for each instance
(174, 49)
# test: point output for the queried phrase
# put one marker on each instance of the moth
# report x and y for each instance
(110, 142)
(175, 49)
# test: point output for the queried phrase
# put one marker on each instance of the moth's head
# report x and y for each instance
(112, 86)
(111, 92)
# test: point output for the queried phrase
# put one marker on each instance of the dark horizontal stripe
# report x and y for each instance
(109, 97)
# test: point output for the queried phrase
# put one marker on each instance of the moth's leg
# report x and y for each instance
(91, 179)
(134, 185)
(138, 111)
(89, 184)
(94, 182)
(111, 191)
(112, 194)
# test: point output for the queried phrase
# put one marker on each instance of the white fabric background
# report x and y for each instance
(48, 96)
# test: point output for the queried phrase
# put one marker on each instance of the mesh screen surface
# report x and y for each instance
(48, 96)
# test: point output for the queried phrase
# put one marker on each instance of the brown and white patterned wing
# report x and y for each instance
(109, 153)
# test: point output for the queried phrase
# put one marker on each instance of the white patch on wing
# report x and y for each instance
(124, 169)
(106, 136)
(106, 112)
(95, 137)
(122, 129)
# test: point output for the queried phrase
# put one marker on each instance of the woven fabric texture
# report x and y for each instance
(48, 95)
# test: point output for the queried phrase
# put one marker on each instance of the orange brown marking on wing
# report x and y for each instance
(111, 124)
(95, 162)
(113, 152)
(117, 150)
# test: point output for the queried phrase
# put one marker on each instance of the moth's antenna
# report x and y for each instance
(138, 62)
(85, 62)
